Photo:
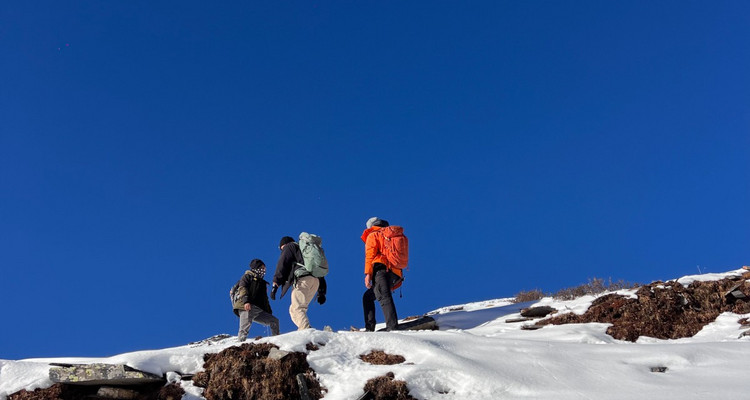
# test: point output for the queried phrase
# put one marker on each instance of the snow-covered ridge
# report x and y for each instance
(478, 355)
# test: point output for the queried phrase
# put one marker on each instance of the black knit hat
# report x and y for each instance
(285, 240)
(375, 221)
(381, 223)
(257, 264)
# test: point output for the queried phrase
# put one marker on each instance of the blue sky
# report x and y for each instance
(149, 151)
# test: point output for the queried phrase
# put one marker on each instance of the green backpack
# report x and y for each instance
(314, 258)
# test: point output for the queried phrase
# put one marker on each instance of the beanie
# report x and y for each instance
(370, 222)
(381, 223)
(285, 240)
(257, 264)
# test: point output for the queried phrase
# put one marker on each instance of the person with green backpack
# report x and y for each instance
(250, 301)
(302, 266)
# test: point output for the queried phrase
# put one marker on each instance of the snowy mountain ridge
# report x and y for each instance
(478, 354)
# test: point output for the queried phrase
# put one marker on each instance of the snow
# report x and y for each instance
(478, 355)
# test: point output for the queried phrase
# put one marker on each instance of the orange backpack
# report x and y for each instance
(395, 247)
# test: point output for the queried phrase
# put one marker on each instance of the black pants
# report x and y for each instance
(380, 290)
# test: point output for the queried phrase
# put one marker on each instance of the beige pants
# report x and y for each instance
(302, 294)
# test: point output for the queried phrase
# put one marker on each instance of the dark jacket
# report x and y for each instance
(255, 293)
(289, 261)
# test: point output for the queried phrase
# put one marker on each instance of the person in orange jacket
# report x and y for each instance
(380, 281)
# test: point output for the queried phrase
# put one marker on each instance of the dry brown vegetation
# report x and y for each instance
(528, 295)
(379, 357)
(61, 391)
(387, 388)
(246, 373)
(593, 287)
(662, 310)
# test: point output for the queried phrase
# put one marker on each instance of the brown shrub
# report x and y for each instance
(61, 391)
(594, 286)
(246, 373)
(387, 388)
(528, 295)
(57, 391)
(379, 357)
(171, 392)
(664, 311)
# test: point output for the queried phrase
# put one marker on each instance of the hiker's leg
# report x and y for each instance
(245, 322)
(267, 319)
(302, 294)
(382, 289)
(368, 305)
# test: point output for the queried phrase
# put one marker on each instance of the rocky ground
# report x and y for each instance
(61, 391)
(664, 310)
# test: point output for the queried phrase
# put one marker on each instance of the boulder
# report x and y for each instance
(420, 324)
(276, 354)
(101, 374)
(537, 312)
(735, 293)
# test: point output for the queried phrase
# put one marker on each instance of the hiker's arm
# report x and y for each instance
(371, 250)
(282, 267)
(245, 282)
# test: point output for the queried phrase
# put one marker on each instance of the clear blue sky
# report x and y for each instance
(150, 150)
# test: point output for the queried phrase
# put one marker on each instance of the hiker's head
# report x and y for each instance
(375, 221)
(257, 264)
(285, 240)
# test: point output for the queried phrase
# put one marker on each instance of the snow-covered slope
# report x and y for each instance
(478, 355)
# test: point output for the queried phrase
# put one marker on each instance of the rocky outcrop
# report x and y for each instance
(101, 374)
(247, 372)
(664, 310)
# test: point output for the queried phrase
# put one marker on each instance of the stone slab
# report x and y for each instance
(420, 324)
(515, 320)
(276, 354)
(101, 374)
(537, 312)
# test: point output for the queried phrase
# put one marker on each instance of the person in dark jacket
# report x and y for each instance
(304, 286)
(250, 300)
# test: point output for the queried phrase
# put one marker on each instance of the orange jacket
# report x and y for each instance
(373, 253)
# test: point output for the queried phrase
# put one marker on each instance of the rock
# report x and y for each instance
(735, 293)
(659, 369)
(537, 312)
(514, 320)
(101, 374)
(420, 324)
(116, 393)
(304, 394)
(531, 327)
(276, 354)
(216, 339)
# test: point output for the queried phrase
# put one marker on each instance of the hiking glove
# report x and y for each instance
(321, 299)
(273, 292)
